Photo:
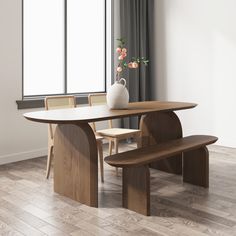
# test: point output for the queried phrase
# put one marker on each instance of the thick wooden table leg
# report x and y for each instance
(160, 127)
(136, 189)
(76, 163)
(196, 167)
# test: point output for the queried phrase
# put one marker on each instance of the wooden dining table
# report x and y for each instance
(75, 149)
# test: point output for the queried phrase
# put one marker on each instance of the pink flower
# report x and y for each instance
(118, 50)
(135, 65)
(124, 50)
(121, 57)
(119, 69)
(124, 54)
(130, 65)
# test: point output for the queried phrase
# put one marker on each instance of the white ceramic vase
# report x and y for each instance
(118, 95)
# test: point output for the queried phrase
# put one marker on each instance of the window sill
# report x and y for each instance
(31, 103)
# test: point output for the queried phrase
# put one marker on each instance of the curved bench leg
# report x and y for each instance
(196, 167)
(76, 163)
(136, 189)
(158, 127)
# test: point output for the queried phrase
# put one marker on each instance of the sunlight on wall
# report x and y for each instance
(196, 62)
(224, 86)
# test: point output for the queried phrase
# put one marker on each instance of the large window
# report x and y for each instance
(63, 47)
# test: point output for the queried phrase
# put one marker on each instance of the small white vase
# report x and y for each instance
(118, 95)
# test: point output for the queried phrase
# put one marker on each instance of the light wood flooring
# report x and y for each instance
(28, 205)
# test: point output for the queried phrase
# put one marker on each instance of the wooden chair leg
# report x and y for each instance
(49, 161)
(100, 151)
(110, 147)
(196, 167)
(138, 140)
(116, 143)
(136, 189)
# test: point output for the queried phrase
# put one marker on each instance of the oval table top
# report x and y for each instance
(102, 112)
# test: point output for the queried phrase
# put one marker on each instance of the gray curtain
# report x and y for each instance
(136, 18)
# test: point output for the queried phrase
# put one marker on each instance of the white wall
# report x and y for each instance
(19, 138)
(195, 61)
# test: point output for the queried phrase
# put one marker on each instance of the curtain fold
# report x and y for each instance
(136, 27)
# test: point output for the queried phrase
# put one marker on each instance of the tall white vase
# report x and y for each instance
(118, 95)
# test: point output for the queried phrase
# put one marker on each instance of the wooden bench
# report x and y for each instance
(136, 175)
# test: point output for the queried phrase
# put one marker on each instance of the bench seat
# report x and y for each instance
(136, 175)
(147, 155)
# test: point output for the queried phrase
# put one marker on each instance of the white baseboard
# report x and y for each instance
(14, 157)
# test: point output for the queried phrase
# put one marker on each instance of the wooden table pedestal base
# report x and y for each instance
(158, 127)
(76, 163)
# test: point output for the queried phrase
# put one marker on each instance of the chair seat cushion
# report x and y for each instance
(116, 132)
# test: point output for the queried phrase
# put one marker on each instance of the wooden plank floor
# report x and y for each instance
(28, 205)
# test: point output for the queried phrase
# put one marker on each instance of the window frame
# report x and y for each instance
(35, 101)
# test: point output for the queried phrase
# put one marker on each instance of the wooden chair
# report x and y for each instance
(113, 135)
(61, 102)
